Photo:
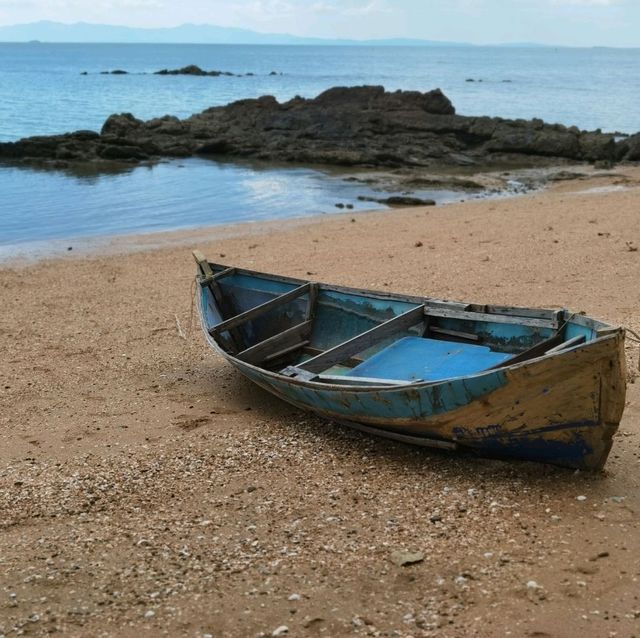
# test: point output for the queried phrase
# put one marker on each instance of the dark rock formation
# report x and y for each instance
(399, 200)
(358, 126)
(192, 69)
(629, 148)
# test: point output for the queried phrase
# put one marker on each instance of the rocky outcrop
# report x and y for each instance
(192, 69)
(357, 126)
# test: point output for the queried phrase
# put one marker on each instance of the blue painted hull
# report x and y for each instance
(561, 409)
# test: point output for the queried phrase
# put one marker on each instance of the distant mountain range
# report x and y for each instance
(46, 31)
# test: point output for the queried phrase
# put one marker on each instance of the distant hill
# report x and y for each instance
(46, 31)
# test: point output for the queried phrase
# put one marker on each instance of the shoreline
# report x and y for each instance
(150, 486)
(530, 182)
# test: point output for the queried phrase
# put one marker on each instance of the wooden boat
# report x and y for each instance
(541, 385)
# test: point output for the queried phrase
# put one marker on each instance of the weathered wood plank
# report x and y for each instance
(363, 341)
(535, 313)
(205, 280)
(234, 341)
(313, 298)
(531, 353)
(337, 379)
(486, 317)
(285, 351)
(351, 362)
(257, 353)
(469, 336)
(574, 341)
(253, 313)
(422, 441)
(202, 262)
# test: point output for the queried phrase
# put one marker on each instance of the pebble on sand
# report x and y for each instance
(401, 558)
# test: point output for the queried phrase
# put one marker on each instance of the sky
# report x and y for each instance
(562, 22)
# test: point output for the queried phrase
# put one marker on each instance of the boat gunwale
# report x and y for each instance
(612, 332)
(518, 312)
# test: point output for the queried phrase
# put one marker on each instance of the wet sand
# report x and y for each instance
(148, 489)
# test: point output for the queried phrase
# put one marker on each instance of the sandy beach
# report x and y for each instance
(148, 489)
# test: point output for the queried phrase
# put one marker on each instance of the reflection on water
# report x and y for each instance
(40, 205)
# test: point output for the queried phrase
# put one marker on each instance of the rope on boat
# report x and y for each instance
(636, 336)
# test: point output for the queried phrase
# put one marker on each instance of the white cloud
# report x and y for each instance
(351, 9)
(588, 3)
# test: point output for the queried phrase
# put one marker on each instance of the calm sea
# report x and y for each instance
(42, 91)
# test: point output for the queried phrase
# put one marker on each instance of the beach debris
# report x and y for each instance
(582, 497)
(293, 597)
(280, 631)
(418, 244)
(403, 558)
(532, 584)
(181, 333)
(631, 247)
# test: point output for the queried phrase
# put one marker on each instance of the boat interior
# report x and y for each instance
(328, 334)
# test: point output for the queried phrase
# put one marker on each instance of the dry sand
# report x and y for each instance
(148, 489)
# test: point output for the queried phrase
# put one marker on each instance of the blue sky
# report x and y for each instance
(565, 22)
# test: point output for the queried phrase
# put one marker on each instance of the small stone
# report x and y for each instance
(401, 558)
(311, 620)
(295, 597)
(418, 244)
(149, 614)
(531, 584)
(581, 498)
(280, 631)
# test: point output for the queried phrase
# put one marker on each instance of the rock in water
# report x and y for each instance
(347, 126)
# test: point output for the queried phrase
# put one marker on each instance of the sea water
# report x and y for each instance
(43, 91)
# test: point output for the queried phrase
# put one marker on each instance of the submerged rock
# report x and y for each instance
(399, 200)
